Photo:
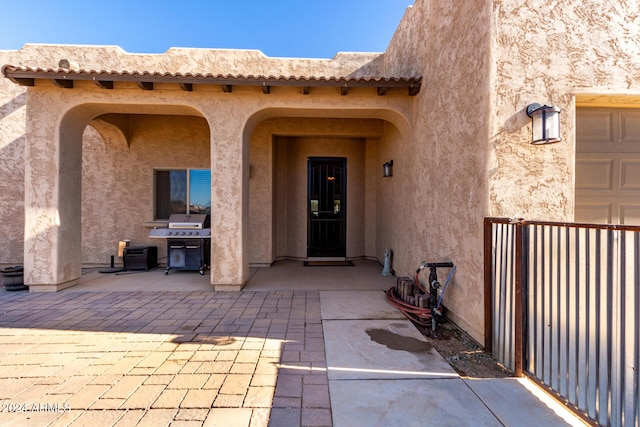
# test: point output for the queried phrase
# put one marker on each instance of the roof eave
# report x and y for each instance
(26, 76)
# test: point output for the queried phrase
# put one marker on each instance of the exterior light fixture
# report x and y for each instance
(545, 122)
(387, 168)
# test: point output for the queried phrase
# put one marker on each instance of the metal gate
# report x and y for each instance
(562, 306)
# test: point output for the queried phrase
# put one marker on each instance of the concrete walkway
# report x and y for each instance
(98, 357)
(382, 372)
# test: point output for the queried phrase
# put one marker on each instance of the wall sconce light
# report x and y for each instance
(388, 168)
(545, 122)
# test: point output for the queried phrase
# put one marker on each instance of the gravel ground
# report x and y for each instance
(463, 353)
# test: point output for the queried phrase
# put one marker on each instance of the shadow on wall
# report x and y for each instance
(517, 121)
(12, 201)
(14, 105)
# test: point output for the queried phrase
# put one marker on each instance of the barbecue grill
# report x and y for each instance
(188, 242)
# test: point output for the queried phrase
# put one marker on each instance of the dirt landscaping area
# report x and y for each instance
(463, 353)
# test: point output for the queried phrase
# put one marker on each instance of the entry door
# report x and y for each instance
(326, 207)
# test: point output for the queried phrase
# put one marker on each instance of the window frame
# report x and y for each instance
(188, 187)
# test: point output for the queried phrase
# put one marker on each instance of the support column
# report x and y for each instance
(229, 202)
(53, 174)
(261, 197)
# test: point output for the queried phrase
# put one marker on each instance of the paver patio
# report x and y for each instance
(162, 358)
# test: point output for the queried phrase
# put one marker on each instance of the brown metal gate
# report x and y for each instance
(562, 306)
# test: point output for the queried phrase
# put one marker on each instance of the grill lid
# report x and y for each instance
(189, 221)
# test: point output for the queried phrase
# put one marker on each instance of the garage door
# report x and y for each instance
(608, 166)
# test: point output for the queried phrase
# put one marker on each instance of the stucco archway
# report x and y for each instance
(281, 140)
(55, 175)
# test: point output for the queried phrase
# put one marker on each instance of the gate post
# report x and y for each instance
(518, 308)
(488, 286)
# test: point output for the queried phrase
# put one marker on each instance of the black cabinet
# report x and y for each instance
(140, 258)
(188, 254)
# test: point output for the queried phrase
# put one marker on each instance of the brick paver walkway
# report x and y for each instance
(162, 359)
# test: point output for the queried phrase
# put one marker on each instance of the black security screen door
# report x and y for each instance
(326, 205)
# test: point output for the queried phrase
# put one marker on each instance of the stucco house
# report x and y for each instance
(91, 135)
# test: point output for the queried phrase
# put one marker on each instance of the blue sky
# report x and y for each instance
(279, 28)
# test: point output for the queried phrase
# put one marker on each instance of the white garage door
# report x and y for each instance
(608, 166)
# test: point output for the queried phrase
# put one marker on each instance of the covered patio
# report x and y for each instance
(283, 275)
(127, 130)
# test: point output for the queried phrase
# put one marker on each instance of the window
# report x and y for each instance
(182, 191)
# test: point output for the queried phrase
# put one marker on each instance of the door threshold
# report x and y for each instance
(327, 258)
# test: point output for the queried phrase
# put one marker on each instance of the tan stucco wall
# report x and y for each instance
(483, 63)
(187, 60)
(12, 140)
(439, 194)
(564, 53)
